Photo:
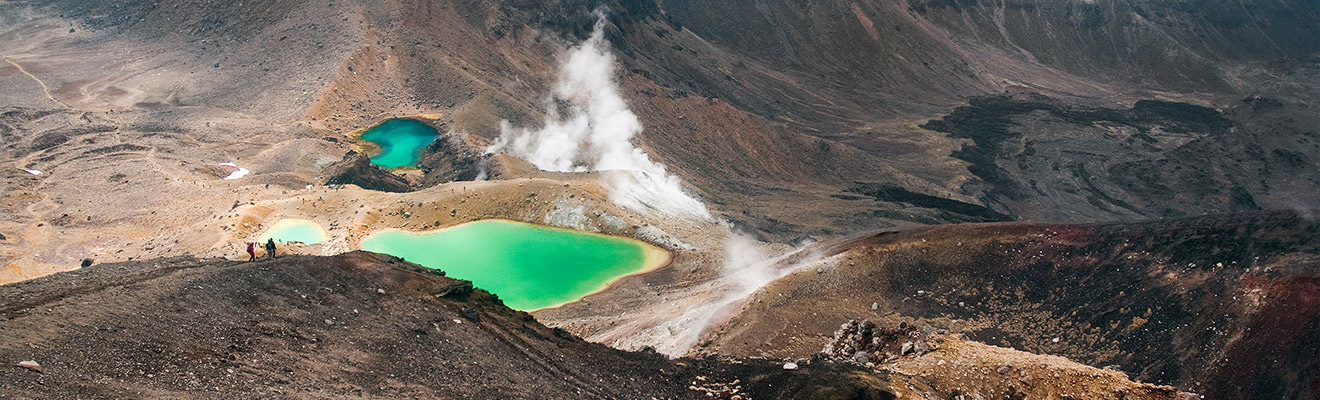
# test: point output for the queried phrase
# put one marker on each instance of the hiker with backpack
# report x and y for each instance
(270, 248)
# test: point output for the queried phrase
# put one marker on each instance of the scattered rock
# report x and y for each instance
(450, 158)
(790, 366)
(457, 291)
(864, 342)
(920, 347)
(720, 390)
(356, 169)
(32, 365)
(472, 314)
(380, 291)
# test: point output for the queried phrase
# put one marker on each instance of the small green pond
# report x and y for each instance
(529, 266)
(401, 141)
(294, 230)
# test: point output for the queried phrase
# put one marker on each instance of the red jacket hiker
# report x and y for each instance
(252, 251)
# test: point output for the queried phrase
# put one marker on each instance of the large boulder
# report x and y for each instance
(356, 169)
(451, 158)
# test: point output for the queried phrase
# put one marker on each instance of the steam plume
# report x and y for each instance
(748, 267)
(597, 134)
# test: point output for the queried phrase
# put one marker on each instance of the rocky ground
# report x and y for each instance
(1223, 306)
(356, 325)
(361, 325)
(927, 361)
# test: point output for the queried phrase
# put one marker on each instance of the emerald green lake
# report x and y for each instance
(401, 141)
(529, 266)
(294, 230)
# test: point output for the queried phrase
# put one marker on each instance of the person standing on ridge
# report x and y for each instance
(252, 251)
(270, 248)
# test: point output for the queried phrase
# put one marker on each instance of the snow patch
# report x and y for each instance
(241, 172)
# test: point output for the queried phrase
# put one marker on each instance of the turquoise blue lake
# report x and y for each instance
(294, 230)
(528, 266)
(401, 141)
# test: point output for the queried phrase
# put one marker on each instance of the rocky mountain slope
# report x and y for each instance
(799, 103)
(357, 325)
(1222, 306)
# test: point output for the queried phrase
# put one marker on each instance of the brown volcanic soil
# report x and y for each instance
(967, 368)
(1227, 306)
(358, 325)
(926, 362)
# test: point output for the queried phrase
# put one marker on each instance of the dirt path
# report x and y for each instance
(44, 89)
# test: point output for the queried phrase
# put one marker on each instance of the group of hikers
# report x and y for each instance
(270, 250)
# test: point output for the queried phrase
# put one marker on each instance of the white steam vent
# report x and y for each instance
(596, 135)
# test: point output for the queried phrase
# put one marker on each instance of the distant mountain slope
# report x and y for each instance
(796, 102)
(759, 105)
